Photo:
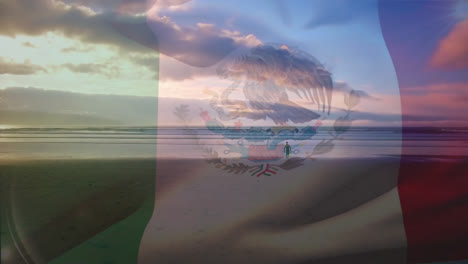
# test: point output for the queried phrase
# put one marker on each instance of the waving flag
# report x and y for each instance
(427, 42)
(287, 132)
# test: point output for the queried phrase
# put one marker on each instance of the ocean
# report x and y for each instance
(198, 142)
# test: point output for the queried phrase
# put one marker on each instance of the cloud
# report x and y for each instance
(129, 6)
(375, 118)
(26, 68)
(166, 68)
(128, 110)
(93, 68)
(424, 111)
(76, 49)
(332, 12)
(284, 13)
(440, 102)
(53, 16)
(125, 6)
(28, 44)
(441, 88)
(199, 46)
(437, 105)
(341, 86)
(170, 69)
(452, 51)
(133, 110)
(149, 62)
(195, 45)
(223, 17)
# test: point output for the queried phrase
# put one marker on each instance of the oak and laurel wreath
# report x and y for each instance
(340, 126)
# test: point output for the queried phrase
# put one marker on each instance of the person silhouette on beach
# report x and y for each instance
(287, 149)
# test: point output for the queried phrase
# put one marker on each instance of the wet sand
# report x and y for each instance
(52, 206)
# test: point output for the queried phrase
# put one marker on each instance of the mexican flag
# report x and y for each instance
(267, 163)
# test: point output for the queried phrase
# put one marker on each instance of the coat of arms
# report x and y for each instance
(267, 83)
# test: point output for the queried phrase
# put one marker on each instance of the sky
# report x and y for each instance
(428, 42)
(406, 58)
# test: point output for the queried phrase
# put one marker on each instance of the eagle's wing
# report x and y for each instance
(306, 78)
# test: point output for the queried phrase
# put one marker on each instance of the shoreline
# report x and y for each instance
(27, 161)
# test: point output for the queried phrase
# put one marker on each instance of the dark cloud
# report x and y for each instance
(93, 68)
(16, 18)
(169, 69)
(105, 5)
(330, 12)
(246, 23)
(124, 6)
(26, 68)
(198, 46)
(151, 63)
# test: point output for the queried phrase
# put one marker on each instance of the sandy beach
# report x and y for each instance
(52, 206)
(57, 211)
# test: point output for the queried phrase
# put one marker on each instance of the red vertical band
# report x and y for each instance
(433, 189)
